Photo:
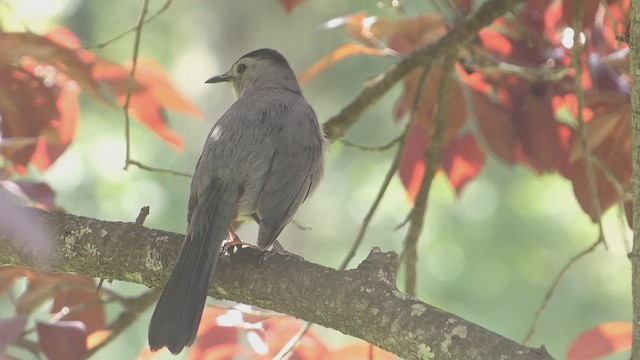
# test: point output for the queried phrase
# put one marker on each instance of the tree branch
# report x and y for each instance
(362, 302)
(634, 256)
(349, 115)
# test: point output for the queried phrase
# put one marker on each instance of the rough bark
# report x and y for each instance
(634, 45)
(362, 302)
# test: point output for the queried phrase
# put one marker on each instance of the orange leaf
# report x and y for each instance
(604, 339)
(495, 42)
(360, 350)
(97, 338)
(153, 76)
(462, 161)
(147, 103)
(338, 54)
(55, 139)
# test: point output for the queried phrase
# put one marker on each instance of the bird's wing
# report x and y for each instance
(295, 169)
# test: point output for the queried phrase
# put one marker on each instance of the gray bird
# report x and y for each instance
(262, 158)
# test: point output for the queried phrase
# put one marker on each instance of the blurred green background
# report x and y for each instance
(488, 255)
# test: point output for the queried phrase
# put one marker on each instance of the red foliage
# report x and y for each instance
(40, 80)
(514, 86)
(63, 340)
(604, 339)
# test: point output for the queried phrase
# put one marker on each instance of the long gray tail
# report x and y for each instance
(177, 315)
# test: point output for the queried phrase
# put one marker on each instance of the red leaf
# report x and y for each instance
(147, 104)
(291, 4)
(462, 161)
(156, 78)
(412, 167)
(604, 339)
(10, 330)
(93, 316)
(495, 42)
(211, 335)
(64, 340)
(36, 192)
(54, 140)
(610, 142)
(360, 350)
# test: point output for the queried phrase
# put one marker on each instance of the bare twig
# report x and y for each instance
(554, 285)
(133, 308)
(432, 158)
(102, 45)
(576, 54)
(155, 169)
(371, 148)
(390, 173)
(132, 79)
(288, 347)
(142, 216)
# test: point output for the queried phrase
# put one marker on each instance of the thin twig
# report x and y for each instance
(133, 308)
(390, 173)
(554, 285)
(432, 159)
(371, 148)
(576, 54)
(132, 79)
(155, 169)
(288, 347)
(142, 216)
(118, 37)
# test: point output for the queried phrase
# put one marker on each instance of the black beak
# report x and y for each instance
(218, 79)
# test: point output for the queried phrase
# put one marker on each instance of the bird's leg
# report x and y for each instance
(235, 241)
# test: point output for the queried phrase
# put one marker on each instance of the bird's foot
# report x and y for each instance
(235, 242)
(277, 248)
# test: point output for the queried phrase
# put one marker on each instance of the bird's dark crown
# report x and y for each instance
(270, 54)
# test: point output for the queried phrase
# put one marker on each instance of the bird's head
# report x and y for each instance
(262, 67)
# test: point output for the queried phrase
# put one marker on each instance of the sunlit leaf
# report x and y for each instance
(338, 54)
(462, 161)
(604, 339)
(97, 338)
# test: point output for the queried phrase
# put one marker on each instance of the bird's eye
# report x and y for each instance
(241, 68)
